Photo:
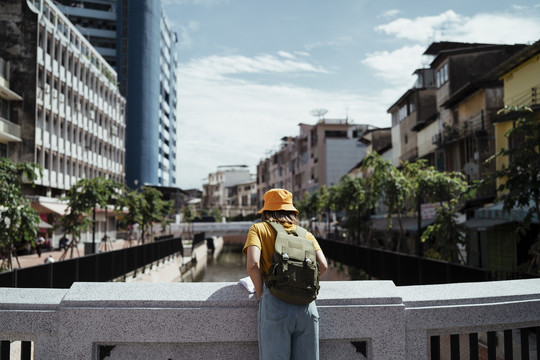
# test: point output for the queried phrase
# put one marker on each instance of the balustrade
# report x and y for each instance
(359, 319)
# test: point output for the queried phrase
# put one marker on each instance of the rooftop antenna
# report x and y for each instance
(319, 113)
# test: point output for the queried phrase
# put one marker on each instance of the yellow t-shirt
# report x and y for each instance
(263, 235)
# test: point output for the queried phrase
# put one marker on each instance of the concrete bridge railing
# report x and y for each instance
(213, 229)
(218, 320)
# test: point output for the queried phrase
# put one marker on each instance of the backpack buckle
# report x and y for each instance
(285, 257)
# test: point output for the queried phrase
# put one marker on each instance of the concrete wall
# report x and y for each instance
(205, 320)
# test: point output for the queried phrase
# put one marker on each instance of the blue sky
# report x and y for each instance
(251, 71)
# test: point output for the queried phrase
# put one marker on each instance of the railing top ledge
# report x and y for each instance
(232, 294)
(35, 299)
(217, 294)
(471, 293)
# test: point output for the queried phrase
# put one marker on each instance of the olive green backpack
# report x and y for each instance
(294, 273)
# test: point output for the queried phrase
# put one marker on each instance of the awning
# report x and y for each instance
(44, 225)
(484, 224)
(50, 208)
(409, 224)
(496, 212)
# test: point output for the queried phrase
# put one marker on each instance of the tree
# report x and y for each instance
(18, 221)
(447, 190)
(520, 185)
(130, 206)
(352, 196)
(152, 209)
(392, 185)
(85, 196)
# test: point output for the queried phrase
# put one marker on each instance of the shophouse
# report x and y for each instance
(495, 244)
(413, 111)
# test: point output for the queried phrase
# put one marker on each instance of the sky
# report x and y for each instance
(250, 70)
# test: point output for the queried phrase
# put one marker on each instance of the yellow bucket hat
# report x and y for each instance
(278, 199)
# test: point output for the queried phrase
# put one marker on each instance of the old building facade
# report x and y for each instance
(226, 188)
(320, 155)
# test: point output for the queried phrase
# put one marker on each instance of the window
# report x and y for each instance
(442, 75)
(335, 134)
(3, 150)
(4, 109)
(402, 112)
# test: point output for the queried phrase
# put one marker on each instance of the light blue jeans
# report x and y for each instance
(287, 331)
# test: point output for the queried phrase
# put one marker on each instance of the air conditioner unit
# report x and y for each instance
(436, 139)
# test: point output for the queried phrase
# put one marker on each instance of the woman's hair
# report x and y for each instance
(280, 216)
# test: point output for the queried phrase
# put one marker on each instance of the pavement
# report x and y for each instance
(34, 259)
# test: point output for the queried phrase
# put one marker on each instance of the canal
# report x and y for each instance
(230, 266)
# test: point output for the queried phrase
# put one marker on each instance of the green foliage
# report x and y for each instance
(400, 191)
(392, 185)
(189, 214)
(309, 206)
(447, 190)
(18, 221)
(84, 197)
(520, 180)
(131, 202)
(352, 197)
(146, 208)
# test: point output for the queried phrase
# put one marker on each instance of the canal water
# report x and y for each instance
(230, 266)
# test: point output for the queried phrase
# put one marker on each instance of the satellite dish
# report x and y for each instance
(471, 169)
(319, 113)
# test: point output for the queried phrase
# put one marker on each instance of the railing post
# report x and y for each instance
(26, 350)
(5, 349)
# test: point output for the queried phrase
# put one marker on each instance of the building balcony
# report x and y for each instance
(219, 320)
(9, 131)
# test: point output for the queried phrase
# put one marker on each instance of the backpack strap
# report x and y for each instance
(300, 231)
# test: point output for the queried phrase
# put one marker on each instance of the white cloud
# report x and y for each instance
(496, 28)
(486, 27)
(185, 34)
(421, 28)
(396, 66)
(286, 54)
(218, 66)
(344, 40)
(389, 13)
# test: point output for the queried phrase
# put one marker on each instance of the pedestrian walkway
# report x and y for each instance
(34, 259)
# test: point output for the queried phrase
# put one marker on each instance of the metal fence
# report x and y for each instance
(405, 269)
(99, 267)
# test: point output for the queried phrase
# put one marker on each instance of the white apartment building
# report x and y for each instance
(71, 117)
(220, 183)
(73, 120)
